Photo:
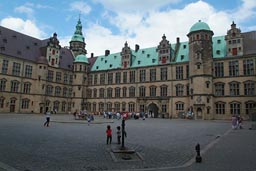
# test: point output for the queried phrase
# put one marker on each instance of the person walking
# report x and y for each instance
(109, 134)
(48, 115)
(118, 134)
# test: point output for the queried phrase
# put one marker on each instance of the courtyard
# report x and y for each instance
(71, 145)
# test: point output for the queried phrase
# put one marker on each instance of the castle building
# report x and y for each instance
(212, 77)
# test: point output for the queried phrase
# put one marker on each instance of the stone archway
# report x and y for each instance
(153, 110)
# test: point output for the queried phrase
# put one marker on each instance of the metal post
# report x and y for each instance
(123, 132)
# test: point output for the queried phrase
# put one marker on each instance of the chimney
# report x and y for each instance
(91, 55)
(107, 52)
(177, 40)
(137, 47)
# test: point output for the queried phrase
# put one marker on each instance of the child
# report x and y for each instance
(118, 134)
(109, 134)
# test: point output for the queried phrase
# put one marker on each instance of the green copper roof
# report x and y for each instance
(112, 61)
(81, 58)
(78, 35)
(200, 26)
(144, 57)
(219, 47)
(149, 56)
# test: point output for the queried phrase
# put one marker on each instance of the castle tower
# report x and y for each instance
(200, 69)
(77, 44)
(80, 83)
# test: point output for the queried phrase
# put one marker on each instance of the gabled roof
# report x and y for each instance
(24, 47)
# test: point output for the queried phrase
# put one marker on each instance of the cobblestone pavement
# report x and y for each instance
(71, 145)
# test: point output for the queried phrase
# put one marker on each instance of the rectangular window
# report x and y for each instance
(58, 77)
(164, 108)
(14, 86)
(109, 92)
(179, 106)
(1, 102)
(163, 74)
(70, 79)
(16, 69)
(233, 68)
(26, 88)
(131, 107)
(132, 76)
(25, 104)
(95, 79)
(102, 79)
(248, 67)
(117, 92)
(142, 75)
(218, 69)
(5, 66)
(110, 78)
(124, 77)
(28, 71)
(90, 79)
(2, 84)
(152, 91)
(142, 91)
(152, 74)
(187, 71)
(220, 108)
(118, 77)
(249, 88)
(234, 89)
(50, 75)
(249, 106)
(179, 72)
(65, 78)
(124, 92)
(163, 91)
(219, 89)
(235, 109)
(179, 90)
(102, 92)
(132, 92)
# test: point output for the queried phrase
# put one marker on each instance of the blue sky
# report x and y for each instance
(107, 24)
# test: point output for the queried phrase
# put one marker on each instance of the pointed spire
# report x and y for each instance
(78, 35)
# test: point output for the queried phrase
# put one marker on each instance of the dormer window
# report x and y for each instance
(101, 59)
(219, 41)
(138, 62)
(217, 52)
(5, 40)
(148, 55)
(143, 52)
(97, 67)
(153, 60)
(181, 57)
(106, 61)
(184, 46)
(110, 66)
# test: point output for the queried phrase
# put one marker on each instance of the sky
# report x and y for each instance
(108, 24)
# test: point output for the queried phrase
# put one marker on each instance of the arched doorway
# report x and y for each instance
(199, 113)
(153, 110)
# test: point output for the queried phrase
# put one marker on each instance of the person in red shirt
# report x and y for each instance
(109, 134)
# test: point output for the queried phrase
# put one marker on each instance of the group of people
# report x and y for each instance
(118, 134)
(237, 122)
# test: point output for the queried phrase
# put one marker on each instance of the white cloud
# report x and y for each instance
(24, 26)
(80, 6)
(143, 25)
(134, 5)
(24, 9)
